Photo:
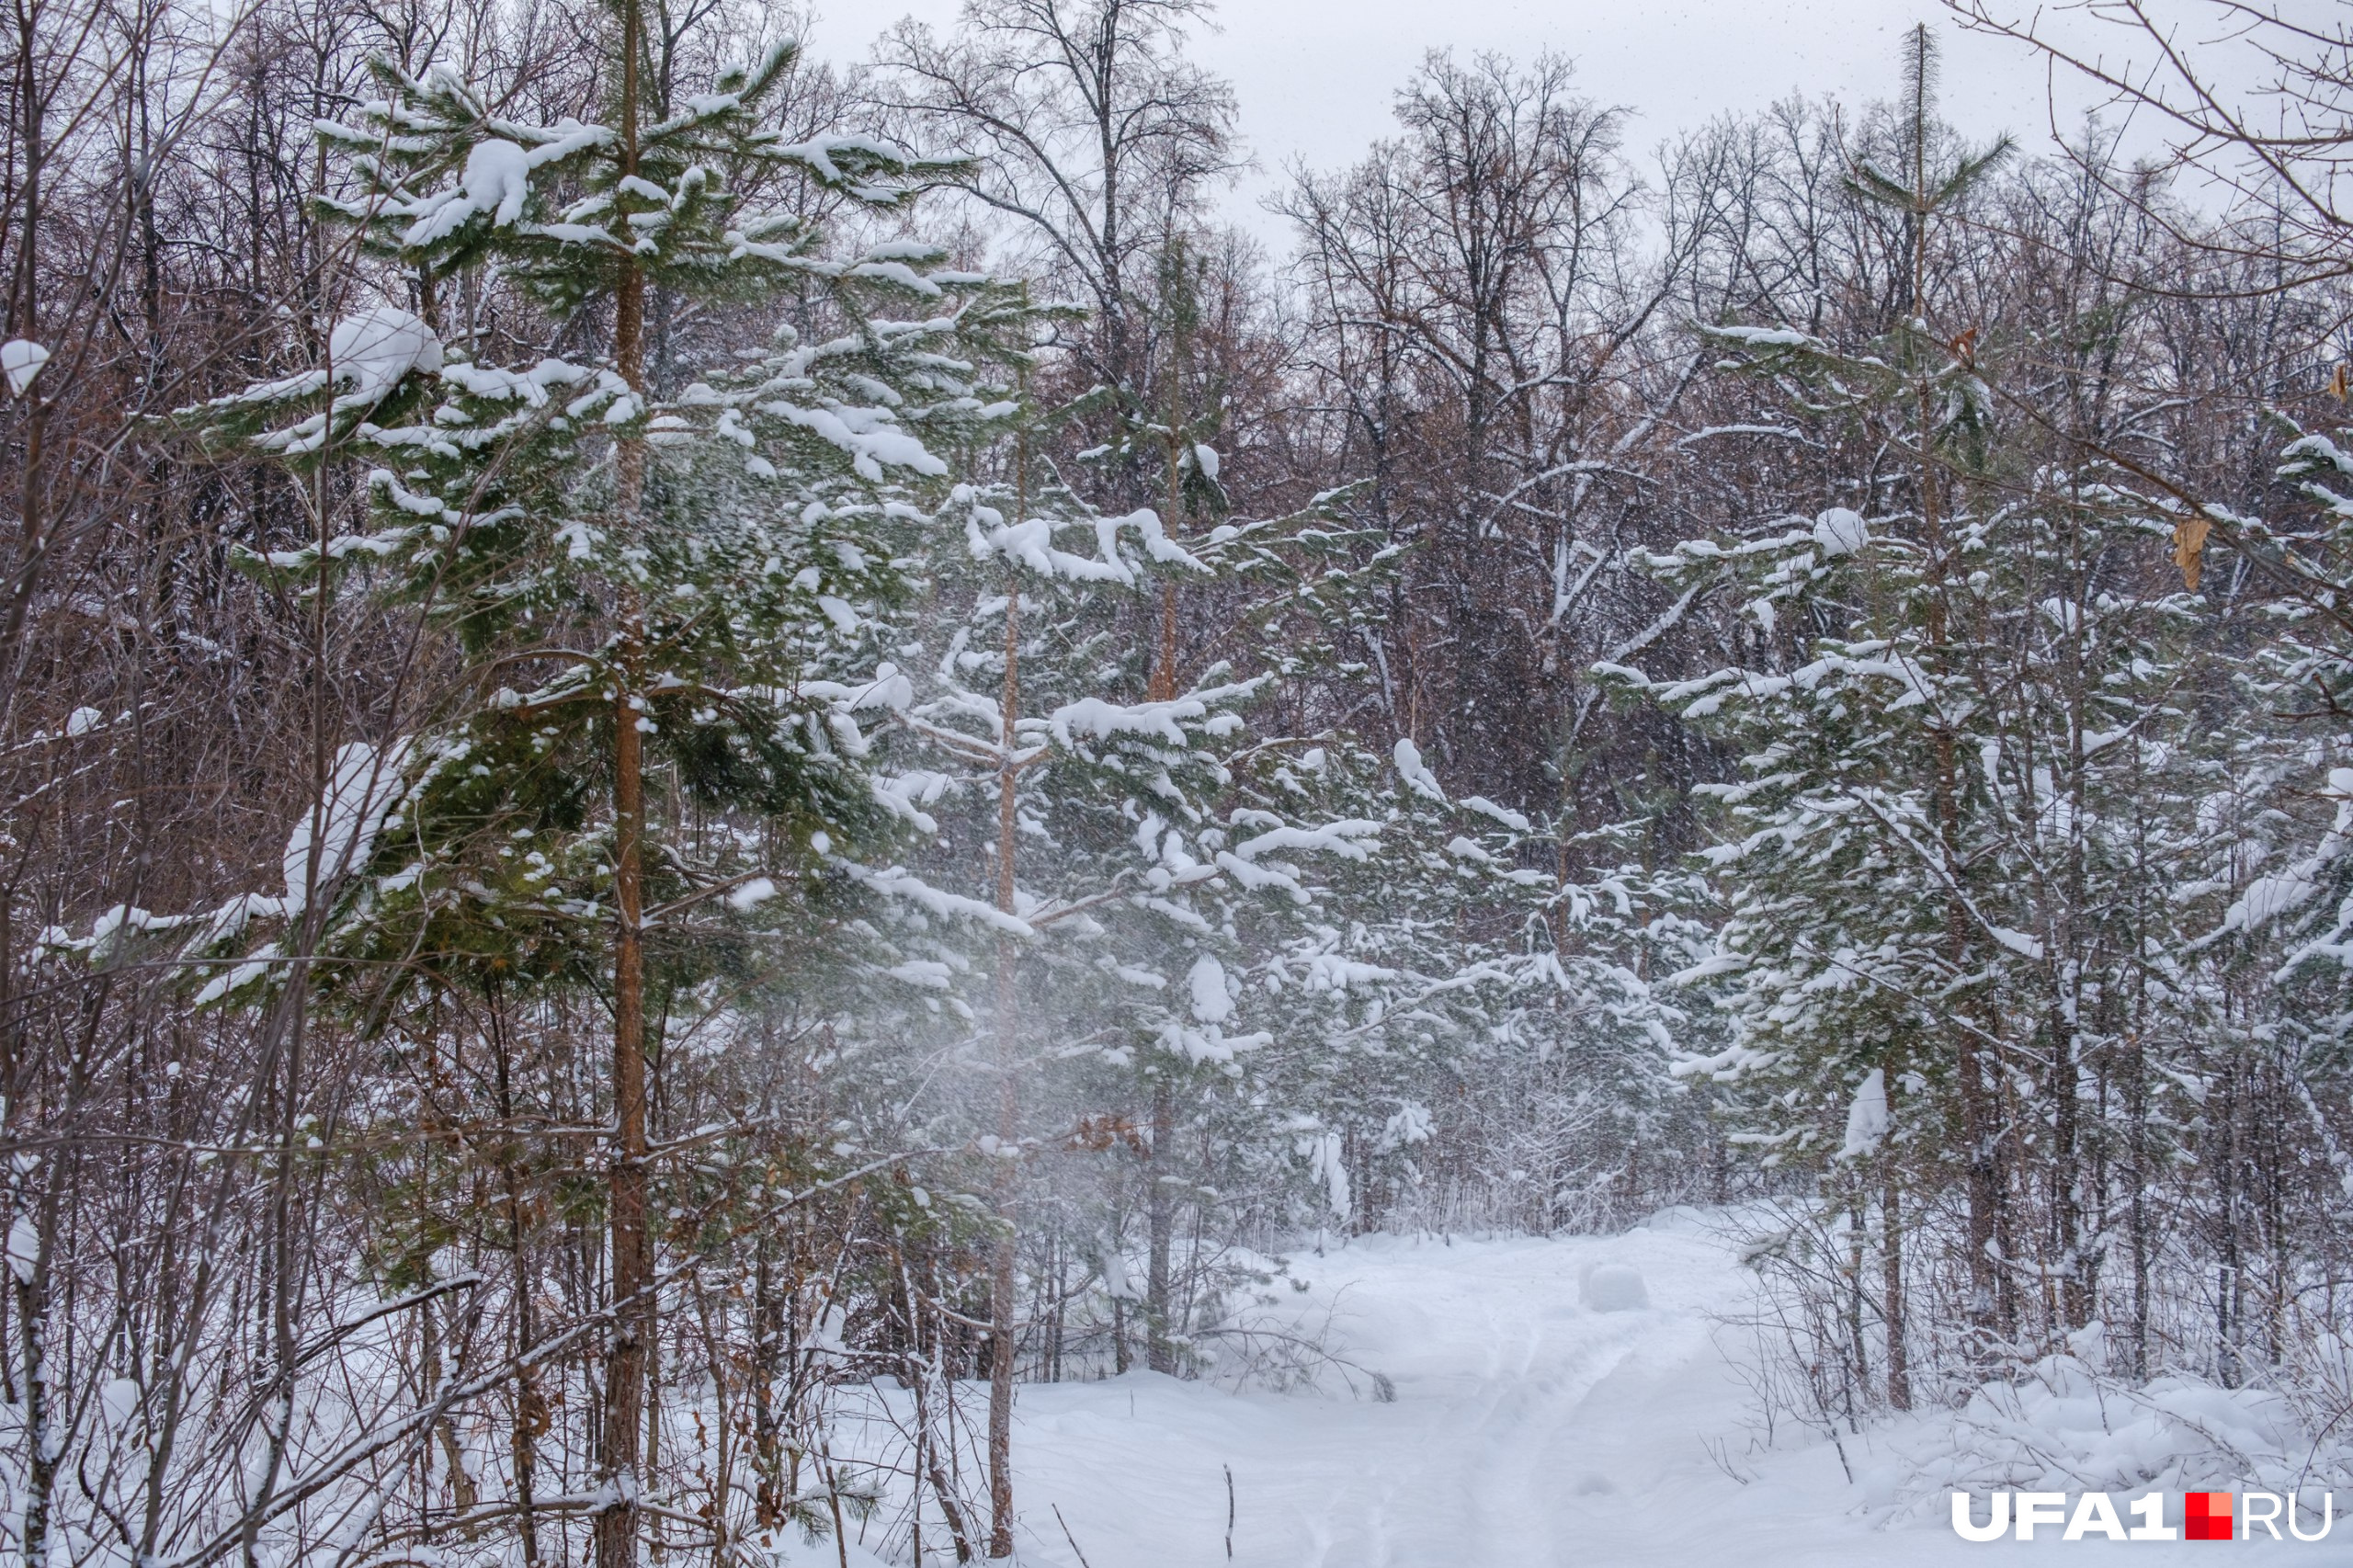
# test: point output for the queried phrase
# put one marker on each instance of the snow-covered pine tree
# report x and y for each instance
(2265, 984)
(1139, 901)
(1963, 725)
(2305, 574)
(634, 587)
(1892, 919)
(1927, 392)
(1253, 943)
(1963, 868)
(1123, 844)
(1472, 955)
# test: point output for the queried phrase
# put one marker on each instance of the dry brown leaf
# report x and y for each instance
(2189, 545)
(2339, 385)
(1100, 1133)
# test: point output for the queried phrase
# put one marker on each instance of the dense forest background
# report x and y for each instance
(704, 759)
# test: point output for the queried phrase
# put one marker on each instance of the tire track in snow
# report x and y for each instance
(1478, 1462)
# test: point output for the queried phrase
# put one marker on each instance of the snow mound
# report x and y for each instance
(372, 351)
(1839, 531)
(1411, 768)
(1212, 1002)
(497, 179)
(1612, 1288)
(367, 783)
(1867, 1116)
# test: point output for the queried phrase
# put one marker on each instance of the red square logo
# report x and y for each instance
(2206, 1516)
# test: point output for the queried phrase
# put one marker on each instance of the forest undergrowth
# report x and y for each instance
(708, 760)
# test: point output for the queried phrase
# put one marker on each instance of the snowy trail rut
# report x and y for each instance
(1527, 1431)
(1500, 1446)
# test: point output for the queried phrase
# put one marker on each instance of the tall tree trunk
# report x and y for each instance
(1160, 1350)
(531, 1404)
(1892, 1306)
(2076, 1280)
(24, 320)
(631, 1261)
(1857, 1227)
(631, 1257)
(1003, 1332)
(767, 1315)
(2073, 1277)
(1980, 1124)
(2136, 1208)
(1160, 1209)
(2228, 1325)
(28, 1278)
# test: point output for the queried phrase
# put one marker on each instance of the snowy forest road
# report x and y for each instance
(1526, 1430)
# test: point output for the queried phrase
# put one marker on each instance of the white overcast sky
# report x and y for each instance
(1315, 78)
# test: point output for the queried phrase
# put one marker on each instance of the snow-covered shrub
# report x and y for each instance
(2062, 1427)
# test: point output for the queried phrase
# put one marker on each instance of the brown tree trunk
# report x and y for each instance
(24, 320)
(1003, 1334)
(631, 1256)
(1160, 1211)
(631, 1260)
(1003, 1331)
(1980, 1123)
(1858, 1350)
(1899, 1363)
(531, 1404)
(1160, 1350)
(2075, 1301)
(1163, 685)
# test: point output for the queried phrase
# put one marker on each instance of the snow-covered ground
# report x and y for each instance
(1526, 1430)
